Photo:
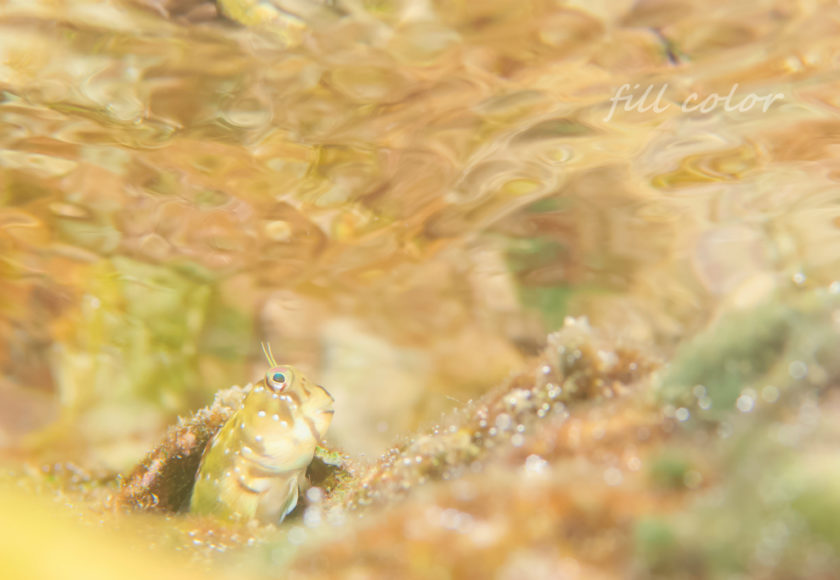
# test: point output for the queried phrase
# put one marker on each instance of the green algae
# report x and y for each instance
(756, 389)
(774, 515)
(671, 469)
(726, 358)
(782, 345)
(148, 341)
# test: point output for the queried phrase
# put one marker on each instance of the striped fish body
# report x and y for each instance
(255, 464)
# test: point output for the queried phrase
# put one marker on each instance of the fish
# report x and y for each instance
(255, 465)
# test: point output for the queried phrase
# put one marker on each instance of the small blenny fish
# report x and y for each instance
(255, 464)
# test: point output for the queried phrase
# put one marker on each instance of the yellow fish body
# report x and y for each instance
(255, 464)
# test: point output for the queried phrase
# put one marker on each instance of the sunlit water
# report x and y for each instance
(403, 200)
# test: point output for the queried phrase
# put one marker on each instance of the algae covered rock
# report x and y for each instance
(580, 463)
(165, 478)
(754, 357)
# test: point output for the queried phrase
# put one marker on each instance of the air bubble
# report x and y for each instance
(296, 536)
(693, 479)
(503, 421)
(798, 369)
(535, 464)
(770, 394)
(746, 402)
(454, 520)
(613, 476)
(312, 517)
